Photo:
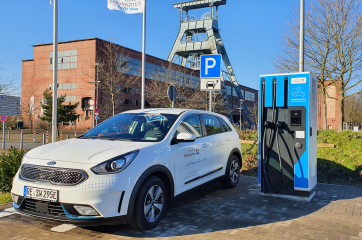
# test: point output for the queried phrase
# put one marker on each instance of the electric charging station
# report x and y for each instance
(288, 135)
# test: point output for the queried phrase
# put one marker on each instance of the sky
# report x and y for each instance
(251, 30)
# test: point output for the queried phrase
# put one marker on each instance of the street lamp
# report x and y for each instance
(241, 108)
(98, 65)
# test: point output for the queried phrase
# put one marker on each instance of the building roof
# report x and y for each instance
(78, 40)
(27, 60)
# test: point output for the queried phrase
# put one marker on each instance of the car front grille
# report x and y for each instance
(53, 175)
(54, 209)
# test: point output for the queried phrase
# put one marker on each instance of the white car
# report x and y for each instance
(126, 169)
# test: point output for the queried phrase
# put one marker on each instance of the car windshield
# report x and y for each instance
(134, 127)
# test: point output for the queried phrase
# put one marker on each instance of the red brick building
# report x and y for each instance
(332, 108)
(77, 76)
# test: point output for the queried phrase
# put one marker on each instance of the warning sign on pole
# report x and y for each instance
(91, 102)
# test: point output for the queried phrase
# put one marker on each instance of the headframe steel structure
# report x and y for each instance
(188, 46)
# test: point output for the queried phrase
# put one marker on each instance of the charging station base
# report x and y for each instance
(290, 197)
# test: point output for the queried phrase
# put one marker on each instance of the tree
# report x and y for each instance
(7, 84)
(333, 48)
(29, 102)
(188, 93)
(65, 112)
(353, 110)
(114, 77)
(253, 113)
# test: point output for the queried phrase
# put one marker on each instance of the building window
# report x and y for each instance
(64, 86)
(156, 72)
(249, 96)
(228, 90)
(70, 99)
(66, 59)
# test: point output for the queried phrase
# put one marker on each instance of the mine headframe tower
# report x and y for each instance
(198, 37)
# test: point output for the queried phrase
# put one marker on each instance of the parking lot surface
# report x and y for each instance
(216, 213)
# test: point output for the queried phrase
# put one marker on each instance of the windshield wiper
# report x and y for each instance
(81, 137)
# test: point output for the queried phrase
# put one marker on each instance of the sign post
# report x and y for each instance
(172, 94)
(210, 74)
(3, 119)
(55, 71)
(91, 103)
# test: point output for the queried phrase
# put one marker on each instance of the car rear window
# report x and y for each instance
(212, 124)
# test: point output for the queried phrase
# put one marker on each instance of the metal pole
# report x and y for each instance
(97, 91)
(9, 136)
(3, 134)
(92, 112)
(212, 9)
(210, 102)
(21, 140)
(181, 11)
(240, 119)
(67, 136)
(301, 40)
(217, 13)
(173, 104)
(43, 139)
(143, 57)
(55, 70)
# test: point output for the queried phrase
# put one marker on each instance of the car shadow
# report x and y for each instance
(214, 209)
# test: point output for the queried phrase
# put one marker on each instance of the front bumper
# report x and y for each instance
(89, 221)
(108, 194)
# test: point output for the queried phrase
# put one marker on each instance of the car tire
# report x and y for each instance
(150, 204)
(232, 172)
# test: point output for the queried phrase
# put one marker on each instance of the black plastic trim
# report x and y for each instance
(100, 221)
(120, 202)
(204, 175)
(144, 176)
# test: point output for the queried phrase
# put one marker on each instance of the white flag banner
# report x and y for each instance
(31, 110)
(127, 6)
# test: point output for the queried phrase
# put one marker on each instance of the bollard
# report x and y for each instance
(47, 137)
(67, 136)
(43, 139)
(9, 136)
(21, 140)
(3, 134)
(61, 136)
(33, 136)
(75, 134)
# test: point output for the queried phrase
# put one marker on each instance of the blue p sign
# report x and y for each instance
(210, 66)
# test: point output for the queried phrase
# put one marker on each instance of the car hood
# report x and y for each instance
(85, 150)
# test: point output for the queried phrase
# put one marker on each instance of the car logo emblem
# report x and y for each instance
(51, 163)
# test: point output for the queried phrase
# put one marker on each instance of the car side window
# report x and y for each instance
(191, 124)
(212, 124)
(225, 125)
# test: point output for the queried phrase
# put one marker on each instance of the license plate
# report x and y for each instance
(40, 193)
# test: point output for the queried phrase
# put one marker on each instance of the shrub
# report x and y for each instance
(9, 165)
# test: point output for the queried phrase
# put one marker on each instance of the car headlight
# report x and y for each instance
(116, 164)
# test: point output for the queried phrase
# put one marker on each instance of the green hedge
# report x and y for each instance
(9, 165)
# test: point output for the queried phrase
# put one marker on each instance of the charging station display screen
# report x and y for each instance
(296, 118)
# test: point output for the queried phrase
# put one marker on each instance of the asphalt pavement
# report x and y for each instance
(218, 213)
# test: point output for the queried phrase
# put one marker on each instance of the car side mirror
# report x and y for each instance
(185, 137)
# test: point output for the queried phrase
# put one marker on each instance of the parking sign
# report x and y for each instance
(210, 66)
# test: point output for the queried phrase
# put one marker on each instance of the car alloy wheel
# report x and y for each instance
(234, 171)
(153, 203)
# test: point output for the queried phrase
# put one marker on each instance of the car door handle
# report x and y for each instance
(219, 143)
(205, 145)
(228, 139)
